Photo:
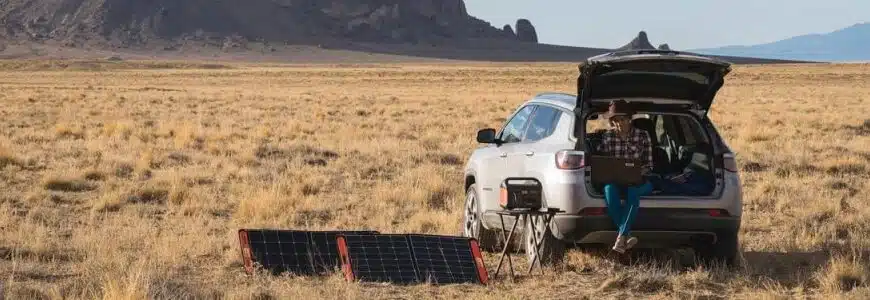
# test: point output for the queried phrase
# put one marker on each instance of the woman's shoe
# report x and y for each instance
(619, 246)
(630, 242)
(624, 243)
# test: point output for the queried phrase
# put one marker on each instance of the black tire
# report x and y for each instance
(487, 239)
(725, 252)
(552, 249)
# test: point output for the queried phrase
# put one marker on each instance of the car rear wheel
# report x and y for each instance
(722, 253)
(552, 249)
(473, 222)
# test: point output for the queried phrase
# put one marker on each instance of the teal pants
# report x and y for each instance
(623, 216)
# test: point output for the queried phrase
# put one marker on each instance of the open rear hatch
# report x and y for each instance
(663, 80)
(651, 80)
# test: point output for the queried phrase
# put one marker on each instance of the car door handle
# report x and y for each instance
(503, 154)
(530, 153)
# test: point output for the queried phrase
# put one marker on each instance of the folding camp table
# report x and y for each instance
(519, 215)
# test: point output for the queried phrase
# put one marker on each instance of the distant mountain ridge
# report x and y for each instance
(848, 44)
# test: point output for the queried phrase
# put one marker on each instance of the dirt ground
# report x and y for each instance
(128, 180)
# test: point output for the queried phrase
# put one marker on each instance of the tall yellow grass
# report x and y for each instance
(130, 182)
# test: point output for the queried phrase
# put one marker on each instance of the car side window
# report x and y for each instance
(660, 126)
(543, 123)
(690, 131)
(513, 130)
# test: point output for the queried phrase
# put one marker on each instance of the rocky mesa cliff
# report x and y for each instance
(129, 22)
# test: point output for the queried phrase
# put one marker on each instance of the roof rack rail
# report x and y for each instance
(553, 94)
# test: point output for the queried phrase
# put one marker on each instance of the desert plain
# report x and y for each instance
(129, 180)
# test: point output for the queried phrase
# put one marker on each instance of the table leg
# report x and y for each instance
(547, 219)
(505, 249)
(534, 233)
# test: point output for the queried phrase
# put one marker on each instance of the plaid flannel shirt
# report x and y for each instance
(637, 146)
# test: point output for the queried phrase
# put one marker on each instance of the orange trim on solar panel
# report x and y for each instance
(246, 251)
(345, 259)
(478, 260)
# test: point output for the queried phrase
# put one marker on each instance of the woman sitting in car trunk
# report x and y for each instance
(625, 141)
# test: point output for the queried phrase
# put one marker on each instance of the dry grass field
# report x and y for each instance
(129, 180)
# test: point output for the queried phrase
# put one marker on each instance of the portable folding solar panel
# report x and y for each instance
(293, 251)
(406, 259)
(448, 259)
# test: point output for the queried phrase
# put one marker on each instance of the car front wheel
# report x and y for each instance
(473, 222)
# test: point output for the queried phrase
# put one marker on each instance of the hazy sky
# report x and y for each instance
(683, 24)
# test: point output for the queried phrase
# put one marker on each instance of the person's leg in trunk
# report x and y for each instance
(699, 184)
(668, 187)
(694, 185)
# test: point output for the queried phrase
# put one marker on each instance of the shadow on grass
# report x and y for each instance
(759, 269)
(789, 269)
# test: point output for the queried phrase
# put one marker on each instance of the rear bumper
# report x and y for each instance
(567, 191)
(653, 228)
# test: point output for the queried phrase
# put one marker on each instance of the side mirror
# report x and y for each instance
(486, 136)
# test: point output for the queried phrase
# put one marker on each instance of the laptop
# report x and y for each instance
(609, 169)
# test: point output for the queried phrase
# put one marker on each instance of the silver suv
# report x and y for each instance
(548, 137)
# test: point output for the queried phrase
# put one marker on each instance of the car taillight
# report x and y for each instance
(717, 212)
(729, 162)
(593, 211)
(570, 159)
